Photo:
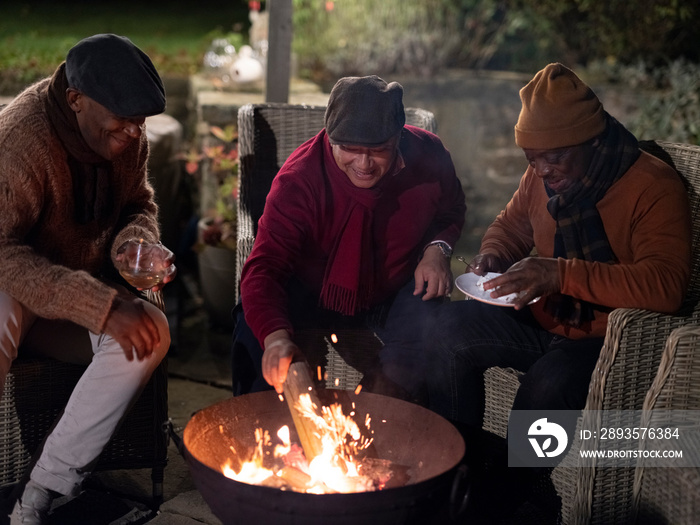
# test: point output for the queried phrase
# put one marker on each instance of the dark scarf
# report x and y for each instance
(580, 232)
(91, 173)
(348, 284)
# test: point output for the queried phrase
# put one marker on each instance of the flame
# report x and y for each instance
(251, 471)
(335, 469)
(334, 338)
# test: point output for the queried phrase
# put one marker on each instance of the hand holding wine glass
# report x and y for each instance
(145, 265)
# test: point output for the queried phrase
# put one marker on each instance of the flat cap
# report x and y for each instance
(111, 70)
(365, 111)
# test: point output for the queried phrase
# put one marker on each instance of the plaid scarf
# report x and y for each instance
(580, 232)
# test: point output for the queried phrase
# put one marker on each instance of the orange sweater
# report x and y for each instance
(647, 221)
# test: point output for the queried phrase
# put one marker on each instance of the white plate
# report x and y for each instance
(468, 283)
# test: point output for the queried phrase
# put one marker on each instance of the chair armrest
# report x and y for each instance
(631, 355)
(626, 368)
(244, 245)
(500, 387)
(670, 494)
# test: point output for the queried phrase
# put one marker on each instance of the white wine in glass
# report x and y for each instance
(144, 265)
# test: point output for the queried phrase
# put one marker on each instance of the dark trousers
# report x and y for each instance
(399, 322)
(469, 336)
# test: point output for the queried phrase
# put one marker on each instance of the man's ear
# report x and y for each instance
(74, 99)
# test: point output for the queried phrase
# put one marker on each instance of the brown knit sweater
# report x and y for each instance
(50, 260)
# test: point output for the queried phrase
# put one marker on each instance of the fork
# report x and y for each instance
(469, 265)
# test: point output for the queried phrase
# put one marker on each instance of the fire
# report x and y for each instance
(336, 469)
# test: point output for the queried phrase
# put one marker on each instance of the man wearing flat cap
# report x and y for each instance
(357, 231)
(73, 190)
(610, 227)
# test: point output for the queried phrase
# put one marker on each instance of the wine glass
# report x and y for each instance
(143, 264)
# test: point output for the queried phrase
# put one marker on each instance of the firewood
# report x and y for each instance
(276, 482)
(299, 381)
(296, 478)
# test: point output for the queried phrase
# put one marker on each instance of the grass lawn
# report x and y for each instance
(36, 35)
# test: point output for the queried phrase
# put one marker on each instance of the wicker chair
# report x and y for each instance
(36, 390)
(267, 135)
(625, 370)
(665, 494)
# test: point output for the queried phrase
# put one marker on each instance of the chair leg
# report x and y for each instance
(157, 476)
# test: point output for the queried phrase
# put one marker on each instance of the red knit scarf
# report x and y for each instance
(348, 283)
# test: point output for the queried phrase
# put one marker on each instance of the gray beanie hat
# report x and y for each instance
(365, 111)
(111, 70)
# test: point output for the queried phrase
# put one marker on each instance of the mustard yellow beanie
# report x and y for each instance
(558, 110)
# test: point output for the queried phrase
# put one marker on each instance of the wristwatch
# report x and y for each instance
(445, 248)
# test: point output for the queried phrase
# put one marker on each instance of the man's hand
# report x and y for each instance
(433, 274)
(531, 277)
(172, 272)
(278, 354)
(484, 263)
(131, 326)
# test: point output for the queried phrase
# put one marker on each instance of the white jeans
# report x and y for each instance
(101, 398)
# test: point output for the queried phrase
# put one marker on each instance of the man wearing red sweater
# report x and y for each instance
(358, 229)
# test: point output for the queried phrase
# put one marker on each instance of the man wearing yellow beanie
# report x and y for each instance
(610, 225)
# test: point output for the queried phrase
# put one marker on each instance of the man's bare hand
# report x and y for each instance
(484, 263)
(530, 278)
(131, 326)
(433, 274)
(278, 354)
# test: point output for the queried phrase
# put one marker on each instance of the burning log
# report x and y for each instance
(296, 478)
(299, 382)
(289, 478)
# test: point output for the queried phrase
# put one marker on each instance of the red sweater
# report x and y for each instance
(647, 220)
(304, 216)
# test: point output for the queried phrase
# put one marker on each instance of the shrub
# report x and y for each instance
(395, 36)
(669, 99)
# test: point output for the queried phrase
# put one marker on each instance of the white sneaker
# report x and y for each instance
(33, 507)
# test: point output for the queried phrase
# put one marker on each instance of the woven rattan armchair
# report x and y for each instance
(37, 389)
(627, 365)
(267, 135)
(666, 494)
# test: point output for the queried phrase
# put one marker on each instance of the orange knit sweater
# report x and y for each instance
(647, 221)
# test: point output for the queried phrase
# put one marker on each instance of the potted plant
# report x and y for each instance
(215, 166)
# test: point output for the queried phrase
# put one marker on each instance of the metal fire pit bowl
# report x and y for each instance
(404, 433)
